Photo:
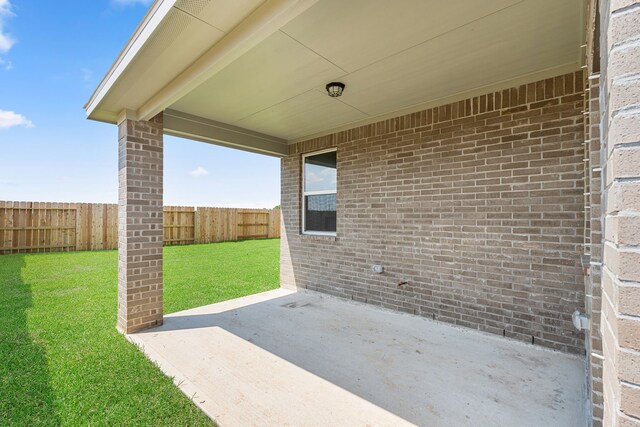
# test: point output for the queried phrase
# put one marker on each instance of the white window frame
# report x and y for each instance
(316, 193)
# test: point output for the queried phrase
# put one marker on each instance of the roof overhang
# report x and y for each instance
(250, 74)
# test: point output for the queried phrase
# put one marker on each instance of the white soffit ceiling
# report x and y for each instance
(291, 117)
(391, 55)
(277, 69)
(353, 34)
(222, 14)
(188, 30)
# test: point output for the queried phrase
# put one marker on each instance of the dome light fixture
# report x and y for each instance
(334, 89)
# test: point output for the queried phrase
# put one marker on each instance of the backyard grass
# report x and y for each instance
(62, 362)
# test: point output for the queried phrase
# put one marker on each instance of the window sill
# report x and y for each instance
(318, 237)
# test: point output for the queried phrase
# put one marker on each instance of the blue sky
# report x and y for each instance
(52, 55)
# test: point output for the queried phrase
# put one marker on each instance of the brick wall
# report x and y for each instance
(140, 224)
(620, 105)
(477, 205)
(593, 215)
(593, 247)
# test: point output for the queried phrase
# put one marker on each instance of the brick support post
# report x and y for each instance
(620, 106)
(140, 230)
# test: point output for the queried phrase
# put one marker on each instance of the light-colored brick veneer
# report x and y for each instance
(477, 205)
(140, 224)
(593, 231)
(620, 104)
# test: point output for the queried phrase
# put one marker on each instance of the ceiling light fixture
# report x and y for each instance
(334, 89)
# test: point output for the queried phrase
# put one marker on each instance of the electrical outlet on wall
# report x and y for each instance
(377, 268)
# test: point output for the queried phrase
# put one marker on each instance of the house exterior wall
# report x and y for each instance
(593, 215)
(620, 131)
(593, 244)
(476, 205)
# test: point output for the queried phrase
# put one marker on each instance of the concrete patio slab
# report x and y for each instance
(304, 359)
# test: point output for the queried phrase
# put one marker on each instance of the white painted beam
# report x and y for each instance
(197, 128)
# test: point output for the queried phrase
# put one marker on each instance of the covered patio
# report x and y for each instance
(306, 359)
(470, 162)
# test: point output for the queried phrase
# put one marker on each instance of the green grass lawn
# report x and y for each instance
(62, 362)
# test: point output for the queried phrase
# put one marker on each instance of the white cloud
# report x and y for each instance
(6, 41)
(5, 7)
(10, 119)
(199, 171)
(130, 2)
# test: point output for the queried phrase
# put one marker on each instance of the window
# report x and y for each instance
(319, 188)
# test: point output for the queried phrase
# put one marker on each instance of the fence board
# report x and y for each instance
(253, 224)
(274, 223)
(179, 225)
(47, 227)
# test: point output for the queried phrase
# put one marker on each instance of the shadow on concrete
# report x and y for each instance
(26, 396)
(423, 371)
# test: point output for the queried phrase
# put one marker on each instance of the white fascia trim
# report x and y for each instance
(155, 15)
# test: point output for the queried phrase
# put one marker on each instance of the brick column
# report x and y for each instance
(620, 105)
(290, 187)
(140, 224)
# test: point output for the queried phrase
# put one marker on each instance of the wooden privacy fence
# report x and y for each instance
(47, 227)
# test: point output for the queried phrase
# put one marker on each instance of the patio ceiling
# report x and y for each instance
(251, 73)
